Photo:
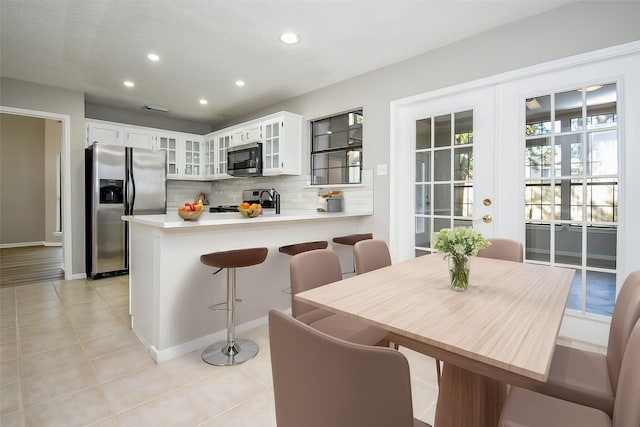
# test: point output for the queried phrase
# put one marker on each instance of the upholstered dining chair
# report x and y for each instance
(527, 408)
(320, 267)
(370, 255)
(320, 380)
(505, 249)
(590, 378)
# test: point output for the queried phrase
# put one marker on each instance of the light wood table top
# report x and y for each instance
(508, 318)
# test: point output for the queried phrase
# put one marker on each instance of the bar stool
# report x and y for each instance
(297, 248)
(232, 351)
(351, 240)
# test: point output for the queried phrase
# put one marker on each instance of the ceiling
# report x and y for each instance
(93, 46)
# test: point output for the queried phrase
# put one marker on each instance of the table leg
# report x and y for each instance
(467, 399)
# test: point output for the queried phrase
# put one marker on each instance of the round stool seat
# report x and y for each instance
(352, 239)
(303, 247)
(235, 258)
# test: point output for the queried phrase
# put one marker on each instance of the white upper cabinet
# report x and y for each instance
(104, 133)
(139, 138)
(191, 150)
(281, 144)
(118, 134)
(246, 133)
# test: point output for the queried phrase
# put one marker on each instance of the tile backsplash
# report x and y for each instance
(295, 192)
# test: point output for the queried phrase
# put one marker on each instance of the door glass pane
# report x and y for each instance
(463, 164)
(440, 223)
(442, 199)
(423, 171)
(569, 110)
(538, 243)
(538, 116)
(423, 234)
(464, 127)
(423, 197)
(443, 131)
(601, 247)
(602, 110)
(423, 134)
(575, 294)
(463, 200)
(442, 165)
(538, 158)
(568, 155)
(603, 153)
(601, 292)
(568, 244)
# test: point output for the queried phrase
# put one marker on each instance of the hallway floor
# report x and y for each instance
(68, 357)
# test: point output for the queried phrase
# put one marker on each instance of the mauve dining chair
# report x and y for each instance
(320, 267)
(504, 249)
(526, 408)
(320, 380)
(591, 378)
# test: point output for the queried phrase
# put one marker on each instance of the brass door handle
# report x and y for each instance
(487, 219)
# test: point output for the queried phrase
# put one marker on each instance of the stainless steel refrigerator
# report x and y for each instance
(119, 181)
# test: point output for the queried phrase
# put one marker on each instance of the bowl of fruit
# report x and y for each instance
(250, 210)
(190, 211)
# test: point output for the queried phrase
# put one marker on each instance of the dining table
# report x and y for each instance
(500, 331)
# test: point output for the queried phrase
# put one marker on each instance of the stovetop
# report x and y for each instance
(224, 208)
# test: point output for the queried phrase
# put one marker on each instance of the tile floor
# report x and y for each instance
(68, 358)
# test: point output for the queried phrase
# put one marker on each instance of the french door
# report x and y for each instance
(547, 156)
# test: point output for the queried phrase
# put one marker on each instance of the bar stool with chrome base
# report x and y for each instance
(351, 240)
(232, 351)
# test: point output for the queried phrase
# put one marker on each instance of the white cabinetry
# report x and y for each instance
(104, 133)
(184, 154)
(215, 162)
(169, 143)
(139, 138)
(246, 133)
(281, 144)
(118, 134)
(191, 154)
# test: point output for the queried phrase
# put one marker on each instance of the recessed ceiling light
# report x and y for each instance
(204, 101)
(129, 83)
(239, 83)
(289, 38)
(153, 57)
(591, 88)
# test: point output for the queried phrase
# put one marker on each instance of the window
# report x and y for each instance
(571, 190)
(336, 149)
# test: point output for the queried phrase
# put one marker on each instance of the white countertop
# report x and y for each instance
(172, 220)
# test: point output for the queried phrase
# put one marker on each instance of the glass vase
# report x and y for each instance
(459, 272)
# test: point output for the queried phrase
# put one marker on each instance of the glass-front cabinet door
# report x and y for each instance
(170, 145)
(192, 158)
(271, 141)
(224, 142)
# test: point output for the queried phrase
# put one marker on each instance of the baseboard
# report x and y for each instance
(20, 244)
(59, 244)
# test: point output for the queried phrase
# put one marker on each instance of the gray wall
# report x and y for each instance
(570, 30)
(32, 96)
(22, 176)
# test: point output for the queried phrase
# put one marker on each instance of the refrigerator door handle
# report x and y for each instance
(130, 189)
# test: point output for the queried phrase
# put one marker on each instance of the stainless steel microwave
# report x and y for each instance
(245, 159)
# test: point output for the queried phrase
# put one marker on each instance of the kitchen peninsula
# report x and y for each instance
(170, 290)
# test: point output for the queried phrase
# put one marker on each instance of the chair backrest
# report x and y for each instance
(309, 270)
(505, 249)
(320, 381)
(626, 410)
(371, 255)
(626, 313)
